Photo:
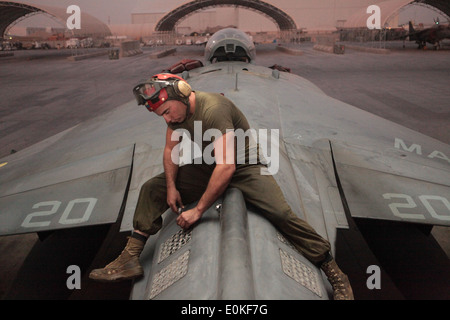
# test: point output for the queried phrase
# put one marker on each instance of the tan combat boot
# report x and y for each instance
(342, 289)
(125, 267)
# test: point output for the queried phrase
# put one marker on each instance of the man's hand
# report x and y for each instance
(174, 199)
(187, 218)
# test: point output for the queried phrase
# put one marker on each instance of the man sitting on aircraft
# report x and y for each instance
(171, 97)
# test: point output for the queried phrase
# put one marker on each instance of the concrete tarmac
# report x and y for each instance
(43, 93)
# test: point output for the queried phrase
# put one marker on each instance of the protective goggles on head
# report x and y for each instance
(153, 93)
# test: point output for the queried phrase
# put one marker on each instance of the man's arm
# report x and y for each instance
(171, 170)
(219, 181)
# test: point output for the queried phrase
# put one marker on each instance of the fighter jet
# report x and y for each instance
(373, 188)
(432, 35)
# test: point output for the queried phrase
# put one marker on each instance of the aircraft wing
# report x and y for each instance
(78, 177)
(70, 195)
(391, 185)
(386, 171)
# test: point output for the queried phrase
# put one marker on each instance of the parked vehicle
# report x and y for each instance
(73, 43)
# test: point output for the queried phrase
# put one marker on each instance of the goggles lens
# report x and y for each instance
(148, 93)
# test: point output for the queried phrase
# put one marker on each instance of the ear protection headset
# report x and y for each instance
(181, 87)
(153, 93)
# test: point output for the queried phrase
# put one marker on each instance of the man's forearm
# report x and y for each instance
(219, 181)
(170, 169)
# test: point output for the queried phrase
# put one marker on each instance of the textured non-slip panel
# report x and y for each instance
(170, 274)
(300, 272)
(174, 243)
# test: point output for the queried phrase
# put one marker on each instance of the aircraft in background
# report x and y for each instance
(433, 35)
(373, 188)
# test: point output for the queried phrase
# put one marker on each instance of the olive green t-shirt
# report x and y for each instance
(214, 115)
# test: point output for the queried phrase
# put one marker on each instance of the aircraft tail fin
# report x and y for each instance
(412, 32)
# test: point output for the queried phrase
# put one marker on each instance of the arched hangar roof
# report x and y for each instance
(391, 7)
(443, 5)
(279, 17)
(11, 12)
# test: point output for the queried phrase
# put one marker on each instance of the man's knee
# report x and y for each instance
(280, 218)
(155, 184)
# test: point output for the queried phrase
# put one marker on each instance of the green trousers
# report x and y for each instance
(261, 191)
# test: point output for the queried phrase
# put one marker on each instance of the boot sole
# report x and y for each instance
(117, 277)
